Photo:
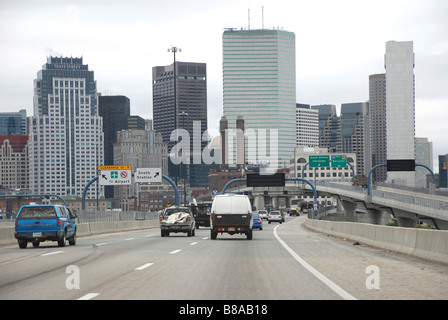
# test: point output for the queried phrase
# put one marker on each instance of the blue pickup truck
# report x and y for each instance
(38, 223)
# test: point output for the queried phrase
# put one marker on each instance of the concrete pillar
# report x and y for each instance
(274, 203)
(259, 202)
(350, 210)
(288, 202)
(405, 219)
(374, 216)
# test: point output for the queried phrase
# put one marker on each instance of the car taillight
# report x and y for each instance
(259, 220)
(189, 218)
(270, 217)
(58, 222)
(16, 223)
(160, 218)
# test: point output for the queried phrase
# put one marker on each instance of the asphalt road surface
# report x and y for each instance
(282, 262)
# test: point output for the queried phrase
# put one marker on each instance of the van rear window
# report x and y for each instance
(38, 213)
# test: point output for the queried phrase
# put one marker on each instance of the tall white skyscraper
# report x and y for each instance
(66, 132)
(400, 108)
(259, 84)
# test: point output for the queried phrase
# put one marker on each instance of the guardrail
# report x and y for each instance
(422, 243)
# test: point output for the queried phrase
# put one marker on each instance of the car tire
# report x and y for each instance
(213, 235)
(22, 244)
(61, 242)
(249, 235)
(36, 244)
(72, 241)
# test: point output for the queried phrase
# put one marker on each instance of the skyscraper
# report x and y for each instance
(400, 108)
(355, 134)
(329, 128)
(115, 111)
(13, 123)
(65, 134)
(307, 126)
(187, 109)
(377, 110)
(423, 155)
(259, 83)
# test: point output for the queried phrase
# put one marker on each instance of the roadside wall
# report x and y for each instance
(423, 243)
(88, 228)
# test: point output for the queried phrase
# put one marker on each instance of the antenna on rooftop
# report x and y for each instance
(262, 17)
(248, 17)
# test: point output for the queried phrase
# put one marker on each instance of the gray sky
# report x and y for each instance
(338, 45)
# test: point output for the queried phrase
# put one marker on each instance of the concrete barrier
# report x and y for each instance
(89, 229)
(422, 243)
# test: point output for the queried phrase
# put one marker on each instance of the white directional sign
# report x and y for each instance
(115, 175)
(149, 175)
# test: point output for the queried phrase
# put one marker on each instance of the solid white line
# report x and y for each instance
(333, 286)
(50, 253)
(89, 296)
(144, 266)
(175, 251)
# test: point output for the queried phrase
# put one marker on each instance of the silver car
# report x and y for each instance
(275, 216)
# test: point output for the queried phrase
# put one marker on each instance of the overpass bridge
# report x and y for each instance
(407, 207)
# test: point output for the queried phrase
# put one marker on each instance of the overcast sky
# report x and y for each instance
(338, 45)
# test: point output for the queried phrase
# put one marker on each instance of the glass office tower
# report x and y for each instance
(259, 84)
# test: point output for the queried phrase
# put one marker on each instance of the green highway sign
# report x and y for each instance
(319, 161)
(338, 161)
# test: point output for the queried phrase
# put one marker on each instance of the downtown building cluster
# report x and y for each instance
(74, 129)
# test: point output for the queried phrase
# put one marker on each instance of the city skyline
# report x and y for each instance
(338, 46)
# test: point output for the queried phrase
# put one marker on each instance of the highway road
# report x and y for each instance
(282, 262)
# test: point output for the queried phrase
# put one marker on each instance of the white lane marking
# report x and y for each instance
(333, 286)
(129, 239)
(50, 253)
(175, 251)
(193, 243)
(144, 266)
(89, 296)
(149, 235)
(100, 244)
(205, 238)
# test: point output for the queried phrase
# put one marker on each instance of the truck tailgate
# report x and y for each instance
(36, 225)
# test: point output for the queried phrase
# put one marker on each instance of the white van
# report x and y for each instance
(231, 214)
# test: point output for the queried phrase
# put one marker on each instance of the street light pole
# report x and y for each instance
(174, 50)
(184, 114)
